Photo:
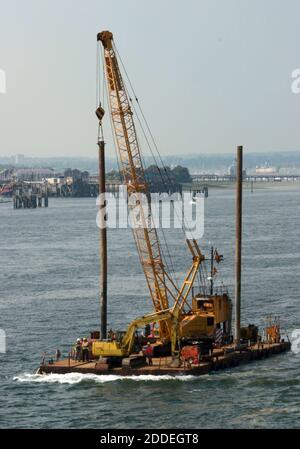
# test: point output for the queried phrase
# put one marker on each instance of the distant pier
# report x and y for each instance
(28, 195)
(246, 178)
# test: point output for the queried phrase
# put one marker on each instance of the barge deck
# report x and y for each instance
(161, 366)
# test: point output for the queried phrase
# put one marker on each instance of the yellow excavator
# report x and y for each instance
(182, 321)
(171, 316)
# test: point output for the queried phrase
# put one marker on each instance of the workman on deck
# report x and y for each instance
(78, 350)
(85, 350)
(58, 355)
(148, 353)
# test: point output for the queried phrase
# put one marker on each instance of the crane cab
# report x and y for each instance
(210, 316)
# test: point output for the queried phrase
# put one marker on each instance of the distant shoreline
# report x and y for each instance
(246, 185)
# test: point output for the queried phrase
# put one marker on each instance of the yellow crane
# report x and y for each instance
(128, 147)
(173, 321)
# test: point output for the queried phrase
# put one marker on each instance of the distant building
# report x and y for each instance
(266, 170)
(69, 180)
(94, 179)
(7, 174)
(232, 170)
(77, 175)
(56, 180)
(34, 174)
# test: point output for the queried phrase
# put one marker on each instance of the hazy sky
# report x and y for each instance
(210, 74)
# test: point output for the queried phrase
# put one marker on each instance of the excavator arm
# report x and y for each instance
(126, 346)
(158, 317)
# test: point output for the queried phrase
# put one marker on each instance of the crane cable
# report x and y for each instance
(170, 181)
(146, 123)
(149, 130)
(171, 269)
(150, 148)
(105, 88)
(101, 135)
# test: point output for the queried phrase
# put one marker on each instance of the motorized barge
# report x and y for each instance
(189, 330)
(219, 360)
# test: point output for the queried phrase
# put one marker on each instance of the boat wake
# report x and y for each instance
(76, 378)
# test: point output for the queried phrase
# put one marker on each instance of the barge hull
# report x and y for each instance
(161, 365)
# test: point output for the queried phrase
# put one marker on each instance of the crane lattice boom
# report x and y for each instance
(145, 234)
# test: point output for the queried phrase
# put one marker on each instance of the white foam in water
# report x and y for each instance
(75, 378)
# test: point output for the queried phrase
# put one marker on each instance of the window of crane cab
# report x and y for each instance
(210, 321)
(204, 304)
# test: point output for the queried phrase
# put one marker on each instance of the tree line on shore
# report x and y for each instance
(157, 175)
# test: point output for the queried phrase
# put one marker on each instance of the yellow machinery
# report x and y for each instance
(180, 320)
(200, 322)
(126, 346)
(172, 316)
(207, 313)
(249, 333)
